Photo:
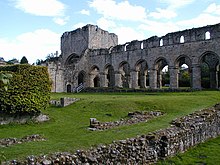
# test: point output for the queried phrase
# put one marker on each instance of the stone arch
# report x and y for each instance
(161, 42)
(72, 60)
(126, 47)
(124, 70)
(209, 63)
(182, 39)
(184, 66)
(207, 35)
(94, 76)
(81, 77)
(162, 76)
(141, 67)
(110, 76)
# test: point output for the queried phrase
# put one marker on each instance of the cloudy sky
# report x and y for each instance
(33, 28)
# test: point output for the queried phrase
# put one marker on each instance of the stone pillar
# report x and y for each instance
(143, 81)
(134, 79)
(118, 80)
(196, 76)
(103, 80)
(159, 79)
(174, 84)
(213, 78)
(153, 78)
(91, 82)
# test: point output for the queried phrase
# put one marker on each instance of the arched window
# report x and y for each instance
(207, 35)
(142, 45)
(125, 48)
(161, 42)
(182, 39)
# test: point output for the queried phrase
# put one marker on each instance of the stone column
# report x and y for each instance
(174, 84)
(153, 78)
(118, 80)
(143, 81)
(159, 79)
(91, 82)
(213, 78)
(103, 80)
(134, 79)
(196, 76)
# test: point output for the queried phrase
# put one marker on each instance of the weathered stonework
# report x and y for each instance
(92, 57)
(64, 101)
(133, 118)
(184, 133)
(12, 141)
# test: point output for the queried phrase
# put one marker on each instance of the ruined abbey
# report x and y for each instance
(92, 57)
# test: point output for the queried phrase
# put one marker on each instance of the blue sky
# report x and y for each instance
(33, 28)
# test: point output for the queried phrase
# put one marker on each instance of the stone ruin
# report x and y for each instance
(133, 118)
(63, 102)
(92, 56)
(7, 119)
(183, 134)
(12, 141)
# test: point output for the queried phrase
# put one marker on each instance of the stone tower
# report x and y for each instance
(87, 37)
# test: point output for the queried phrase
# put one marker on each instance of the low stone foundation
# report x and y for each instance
(133, 118)
(7, 119)
(12, 141)
(184, 133)
(65, 101)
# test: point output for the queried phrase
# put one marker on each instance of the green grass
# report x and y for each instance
(67, 129)
(204, 153)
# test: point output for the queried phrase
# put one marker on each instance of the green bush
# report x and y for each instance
(28, 91)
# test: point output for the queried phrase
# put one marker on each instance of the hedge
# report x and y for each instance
(28, 91)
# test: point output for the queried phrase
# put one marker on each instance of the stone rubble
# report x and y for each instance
(12, 141)
(185, 132)
(133, 118)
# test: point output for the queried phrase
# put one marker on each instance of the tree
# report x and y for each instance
(24, 60)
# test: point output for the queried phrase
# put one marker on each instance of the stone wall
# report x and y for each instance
(135, 64)
(64, 101)
(184, 133)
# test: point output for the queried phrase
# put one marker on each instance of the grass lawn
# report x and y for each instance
(67, 129)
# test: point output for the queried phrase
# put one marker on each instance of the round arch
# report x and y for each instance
(184, 65)
(141, 67)
(163, 76)
(110, 75)
(94, 76)
(209, 63)
(124, 70)
(72, 59)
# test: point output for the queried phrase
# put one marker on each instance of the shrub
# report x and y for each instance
(28, 91)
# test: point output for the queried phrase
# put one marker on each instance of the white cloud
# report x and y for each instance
(34, 45)
(163, 13)
(60, 21)
(213, 9)
(202, 20)
(158, 28)
(127, 34)
(105, 24)
(41, 7)
(85, 12)
(174, 4)
(119, 11)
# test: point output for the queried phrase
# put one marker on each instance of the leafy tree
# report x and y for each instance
(24, 60)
